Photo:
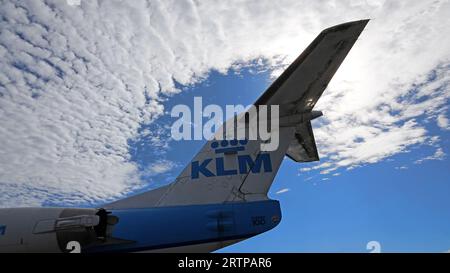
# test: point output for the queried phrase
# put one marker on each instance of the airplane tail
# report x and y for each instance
(233, 170)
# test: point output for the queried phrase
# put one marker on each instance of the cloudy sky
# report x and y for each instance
(85, 87)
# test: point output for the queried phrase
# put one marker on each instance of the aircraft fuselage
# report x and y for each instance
(198, 228)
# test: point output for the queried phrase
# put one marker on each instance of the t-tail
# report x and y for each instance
(234, 175)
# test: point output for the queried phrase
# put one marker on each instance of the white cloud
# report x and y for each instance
(72, 81)
(438, 155)
(443, 122)
(73, 2)
(282, 191)
(401, 168)
(433, 141)
(159, 167)
(343, 151)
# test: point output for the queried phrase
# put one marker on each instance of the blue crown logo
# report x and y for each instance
(229, 146)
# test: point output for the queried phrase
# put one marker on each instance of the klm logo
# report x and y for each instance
(246, 163)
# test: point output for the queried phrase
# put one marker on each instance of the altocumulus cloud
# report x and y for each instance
(78, 81)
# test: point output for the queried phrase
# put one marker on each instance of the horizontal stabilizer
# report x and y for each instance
(303, 146)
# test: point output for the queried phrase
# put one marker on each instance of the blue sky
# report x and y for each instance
(85, 88)
(402, 205)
